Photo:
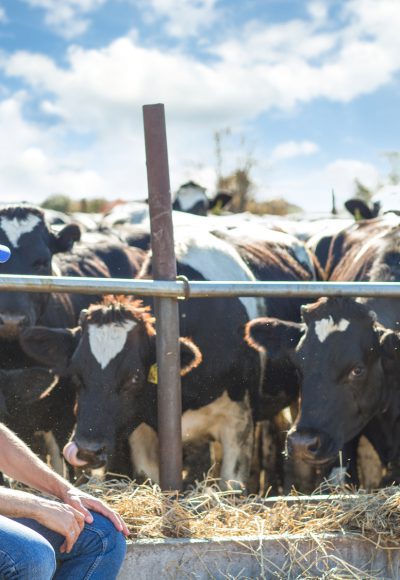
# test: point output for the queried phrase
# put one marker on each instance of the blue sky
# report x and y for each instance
(308, 90)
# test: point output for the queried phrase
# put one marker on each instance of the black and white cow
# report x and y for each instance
(386, 199)
(347, 365)
(346, 356)
(192, 198)
(37, 250)
(112, 352)
(275, 256)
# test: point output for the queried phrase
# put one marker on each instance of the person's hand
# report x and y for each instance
(61, 518)
(83, 502)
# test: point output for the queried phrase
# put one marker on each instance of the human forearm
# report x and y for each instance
(56, 516)
(18, 504)
(20, 463)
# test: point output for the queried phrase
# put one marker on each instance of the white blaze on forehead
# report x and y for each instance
(15, 228)
(325, 327)
(107, 341)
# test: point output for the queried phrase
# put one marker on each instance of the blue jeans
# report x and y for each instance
(29, 551)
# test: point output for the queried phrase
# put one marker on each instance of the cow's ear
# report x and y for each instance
(191, 356)
(26, 385)
(52, 347)
(63, 240)
(358, 208)
(275, 336)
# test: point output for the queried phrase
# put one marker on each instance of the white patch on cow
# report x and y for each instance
(215, 259)
(107, 341)
(55, 269)
(134, 212)
(15, 228)
(230, 423)
(143, 443)
(99, 472)
(325, 327)
(189, 196)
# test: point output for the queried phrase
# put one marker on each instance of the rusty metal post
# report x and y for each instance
(166, 309)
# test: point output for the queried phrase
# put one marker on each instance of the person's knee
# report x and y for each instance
(113, 542)
(38, 562)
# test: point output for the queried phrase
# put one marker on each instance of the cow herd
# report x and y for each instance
(261, 378)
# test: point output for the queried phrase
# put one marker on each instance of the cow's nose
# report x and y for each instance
(304, 444)
(94, 457)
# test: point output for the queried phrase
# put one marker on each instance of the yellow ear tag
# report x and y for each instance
(153, 374)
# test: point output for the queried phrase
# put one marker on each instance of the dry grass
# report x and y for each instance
(300, 525)
(207, 511)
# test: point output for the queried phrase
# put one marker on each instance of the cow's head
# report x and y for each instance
(32, 245)
(110, 355)
(343, 358)
(192, 198)
(361, 210)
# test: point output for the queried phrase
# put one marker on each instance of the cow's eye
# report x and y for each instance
(357, 372)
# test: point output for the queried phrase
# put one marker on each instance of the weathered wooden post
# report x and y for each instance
(166, 309)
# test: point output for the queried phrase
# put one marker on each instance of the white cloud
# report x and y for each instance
(100, 92)
(291, 149)
(312, 190)
(31, 165)
(183, 17)
(3, 15)
(269, 66)
(68, 18)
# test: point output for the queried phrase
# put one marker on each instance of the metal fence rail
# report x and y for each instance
(194, 289)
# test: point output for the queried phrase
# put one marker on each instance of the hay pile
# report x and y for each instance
(302, 524)
(206, 512)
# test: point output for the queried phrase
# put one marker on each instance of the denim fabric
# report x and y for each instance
(29, 551)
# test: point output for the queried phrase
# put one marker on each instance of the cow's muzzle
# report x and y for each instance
(78, 456)
(310, 446)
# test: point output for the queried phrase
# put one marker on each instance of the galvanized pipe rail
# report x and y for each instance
(196, 289)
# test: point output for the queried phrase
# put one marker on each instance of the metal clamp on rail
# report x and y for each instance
(186, 287)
